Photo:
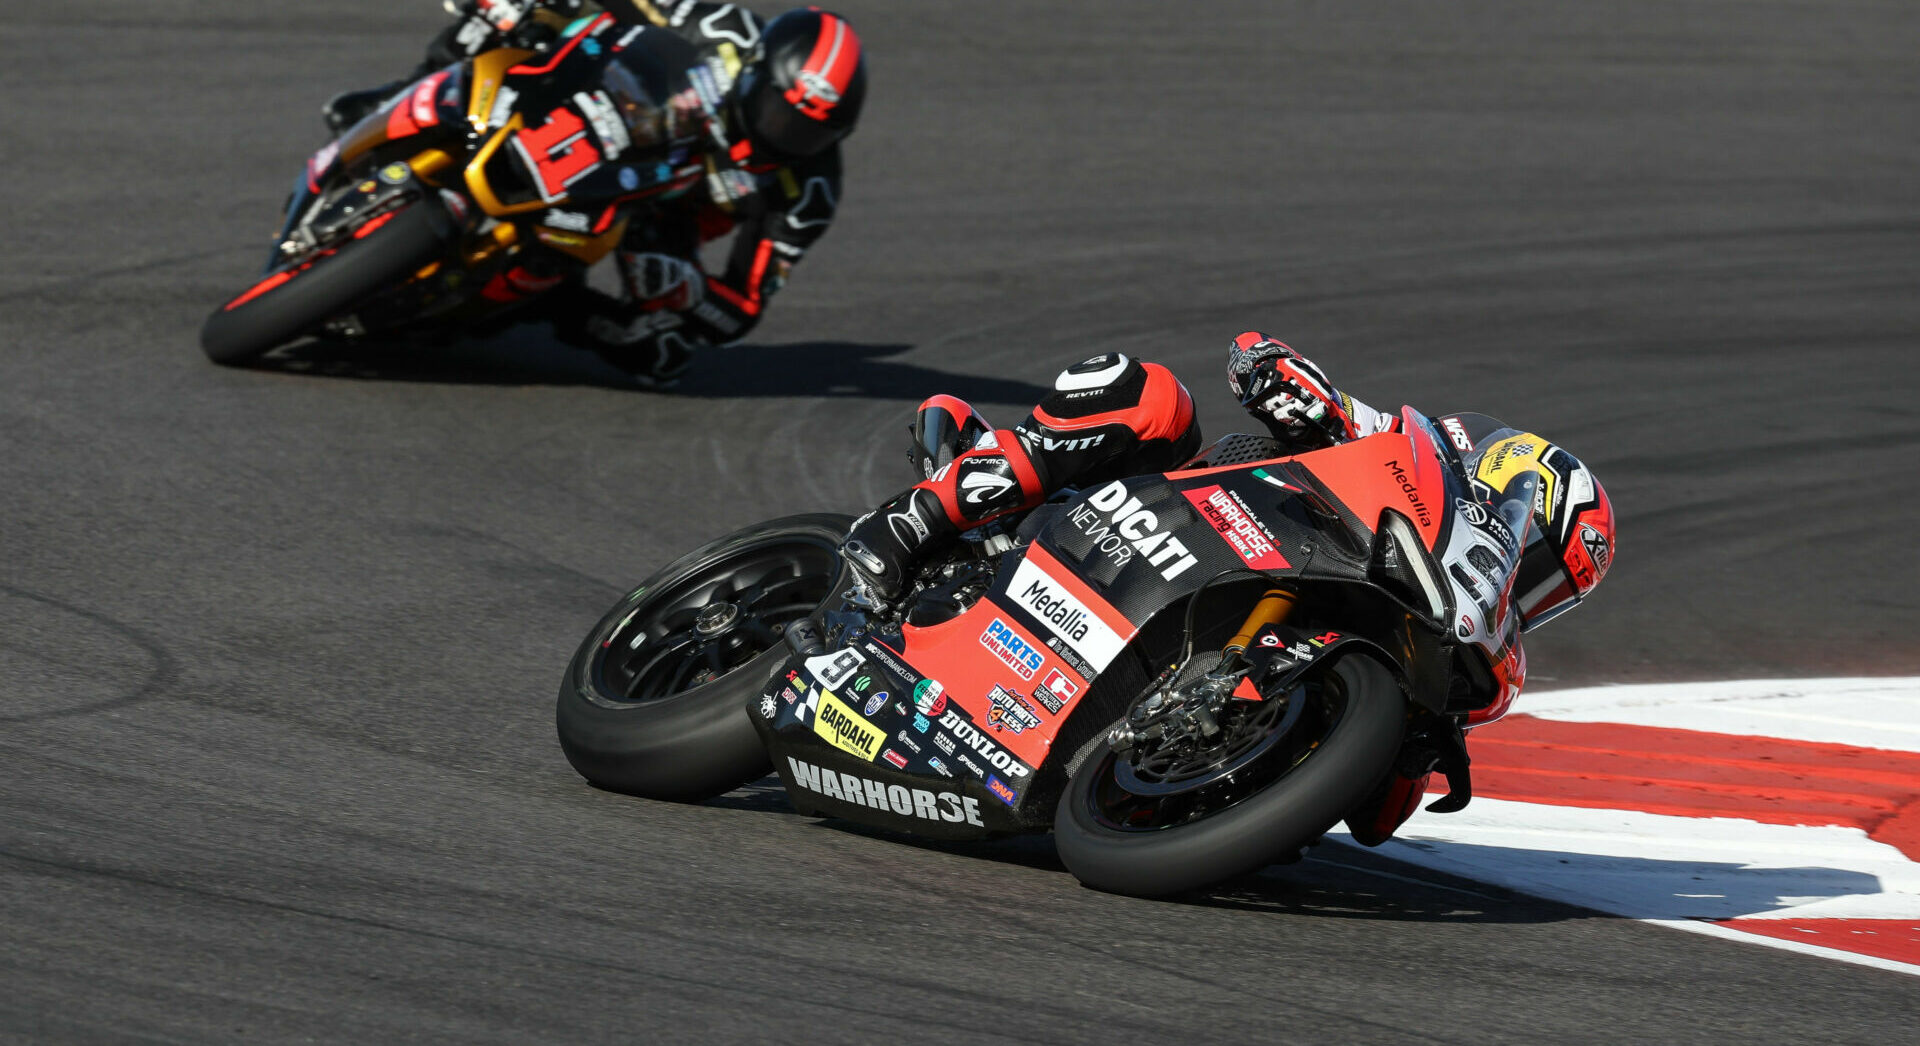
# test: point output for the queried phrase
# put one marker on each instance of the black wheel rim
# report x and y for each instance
(712, 620)
(1155, 790)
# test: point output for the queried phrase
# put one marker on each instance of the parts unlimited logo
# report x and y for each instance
(1007, 645)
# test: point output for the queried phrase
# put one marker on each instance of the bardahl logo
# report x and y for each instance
(844, 729)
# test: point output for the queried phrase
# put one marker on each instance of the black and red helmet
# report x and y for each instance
(803, 92)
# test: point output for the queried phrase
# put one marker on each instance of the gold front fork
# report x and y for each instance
(1272, 609)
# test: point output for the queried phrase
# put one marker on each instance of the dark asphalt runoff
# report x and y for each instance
(278, 647)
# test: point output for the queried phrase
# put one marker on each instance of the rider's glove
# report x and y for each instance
(657, 282)
(1286, 391)
(504, 15)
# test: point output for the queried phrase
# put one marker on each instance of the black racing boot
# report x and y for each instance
(885, 545)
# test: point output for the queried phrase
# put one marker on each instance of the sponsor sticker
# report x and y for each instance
(1122, 527)
(1056, 691)
(930, 697)
(1053, 702)
(1016, 652)
(923, 803)
(1001, 790)
(1011, 711)
(887, 658)
(1229, 516)
(895, 758)
(876, 703)
(985, 747)
(843, 728)
(1059, 611)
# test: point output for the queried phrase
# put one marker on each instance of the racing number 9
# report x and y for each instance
(558, 152)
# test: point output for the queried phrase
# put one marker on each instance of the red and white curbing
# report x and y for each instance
(1779, 812)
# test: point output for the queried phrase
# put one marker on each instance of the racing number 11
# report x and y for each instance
(558, 152)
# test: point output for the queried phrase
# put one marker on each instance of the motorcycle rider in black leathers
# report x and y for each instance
(1110, 417)
(792, 88)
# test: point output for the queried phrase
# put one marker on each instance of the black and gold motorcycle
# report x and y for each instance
(424, 215)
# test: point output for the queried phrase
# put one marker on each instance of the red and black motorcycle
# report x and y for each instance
(1185, 676)
(419, 218)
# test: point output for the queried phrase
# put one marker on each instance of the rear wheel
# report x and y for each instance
(296, 298)
(1167, 818)
(655, 700)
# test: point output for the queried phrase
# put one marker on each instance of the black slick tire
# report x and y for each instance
(293, 300)
(699, 742)
(1260, 829)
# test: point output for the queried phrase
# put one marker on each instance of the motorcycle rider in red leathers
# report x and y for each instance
(792, 89)
(1110, 417)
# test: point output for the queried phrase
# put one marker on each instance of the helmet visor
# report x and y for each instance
(1542, 589)
(782, 132)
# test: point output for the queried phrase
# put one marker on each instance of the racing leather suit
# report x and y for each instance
(669, 305)
(1107, 417)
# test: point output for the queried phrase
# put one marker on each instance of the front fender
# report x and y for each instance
(1282, 654)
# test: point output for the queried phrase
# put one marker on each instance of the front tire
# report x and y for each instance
(655, 700)
(1113, 840)
(296, 298)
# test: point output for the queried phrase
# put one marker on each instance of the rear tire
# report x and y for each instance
(260, 319)
(650, 718)
(1273, 823)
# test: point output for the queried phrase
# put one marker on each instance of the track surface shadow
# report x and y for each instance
(1332, 881)
(823, 369)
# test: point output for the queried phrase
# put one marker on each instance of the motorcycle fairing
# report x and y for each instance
(870, 755)
(972, 705)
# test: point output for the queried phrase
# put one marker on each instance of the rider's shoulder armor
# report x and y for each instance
(725, 34)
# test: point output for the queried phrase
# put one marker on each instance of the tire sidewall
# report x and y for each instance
(1264, 827)
(414, 236)
(695, 744)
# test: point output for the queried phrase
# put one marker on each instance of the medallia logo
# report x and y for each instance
(1060, 612)
(1007, 645)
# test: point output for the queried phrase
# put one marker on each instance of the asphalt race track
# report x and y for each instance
(278, 647)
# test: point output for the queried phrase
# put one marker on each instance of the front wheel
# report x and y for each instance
(298, 297)
(1164, 822)
(655, 700)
